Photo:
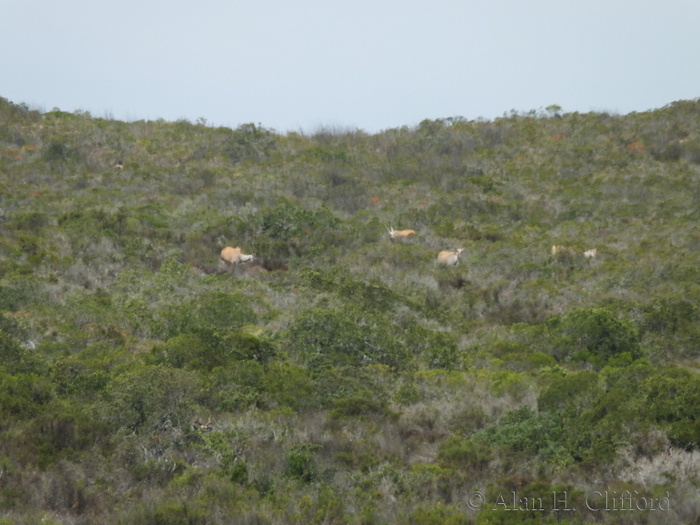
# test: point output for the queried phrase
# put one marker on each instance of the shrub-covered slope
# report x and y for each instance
(342, 377)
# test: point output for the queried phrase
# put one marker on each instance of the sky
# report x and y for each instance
(307, 65)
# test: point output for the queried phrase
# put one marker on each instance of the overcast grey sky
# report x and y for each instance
(300, 65)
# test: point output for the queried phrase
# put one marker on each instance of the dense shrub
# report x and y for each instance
(325, 338)
(213, 313)
(301, 462)
(356, 406)
(465, 454)
(524, 430)
(571, 391)
(672, 400)
(150, 396)
(23, 395)
(594, 335)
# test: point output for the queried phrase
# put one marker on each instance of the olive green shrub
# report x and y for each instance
(594, 335)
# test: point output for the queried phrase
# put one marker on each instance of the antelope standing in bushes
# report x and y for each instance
(400, 234)
(233, 256)
(449, 258)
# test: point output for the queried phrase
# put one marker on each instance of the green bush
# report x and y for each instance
(438, 349)
(17, 359)
(223, 311)
(672, 401)
(356, 407)
(150, 396)
(668, 316)
(11, 299)
(239, 386)
(222, 446)
(594, 335)
(407, 394)
(571, 391)
(286, 220)
(75, 377)
(214, 313)
(63, 430)
(250, 142)
(465, 454)
(611, 417)
(288, 386)
(23, 395)
(206, 349)
(94, 220)
(527, 431)
(301, 462)
(327, 339)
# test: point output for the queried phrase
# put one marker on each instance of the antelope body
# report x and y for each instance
(400, 234)
(449, 258)
(588, 254)
(561, 249)
(234, 256)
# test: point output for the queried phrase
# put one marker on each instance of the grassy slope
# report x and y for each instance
(364, 383)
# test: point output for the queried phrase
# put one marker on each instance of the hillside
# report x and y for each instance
(341, 377)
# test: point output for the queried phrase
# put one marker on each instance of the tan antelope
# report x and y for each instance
(400, 234)
(561, 249)
(590, 254)
(449, 258)
(234, 256)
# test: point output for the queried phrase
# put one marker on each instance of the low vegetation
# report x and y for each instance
(340, 376)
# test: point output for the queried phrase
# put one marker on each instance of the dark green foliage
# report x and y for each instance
(669, 315)
(373, 296)
(183, 350)
(63, 430)
(465, 454)
(238, 386)
(11, 299)
(151, 396)
(524, 430)
(223, 311)
(286, 221)
(94, 220)
(301, 462)
(23, 395)
(325, 338)
(16, 358)
(250, 142)
(571, 391)
(672, 399)
(59, 151)
(224, 446)
(73, 376)
(407, 394)
(288, 386)
(356, 406)
(210, 315)
(437, 348)
(31, 221)
(594, 335)
(204, 349)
